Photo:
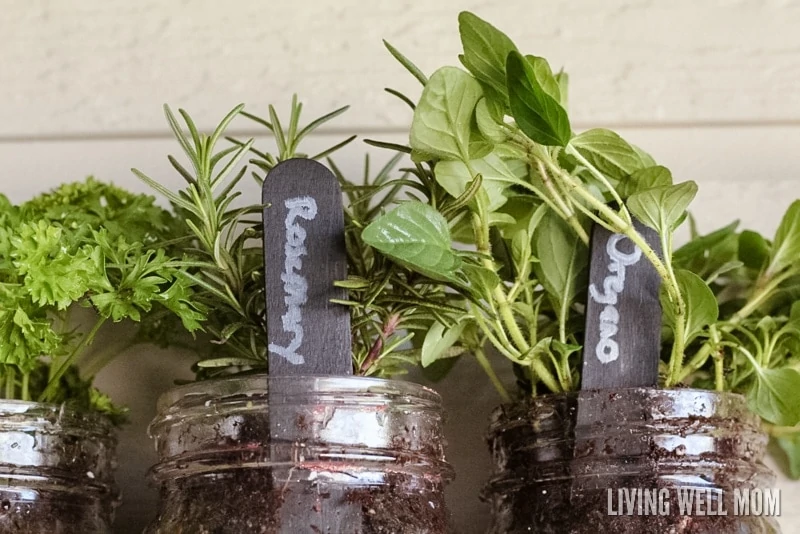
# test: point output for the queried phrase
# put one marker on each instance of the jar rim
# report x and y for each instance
(700, 402)
(62, 414)
(676, 391)
(289, 386)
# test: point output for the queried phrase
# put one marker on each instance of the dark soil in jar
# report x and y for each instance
(356, 462)
(548, 508)
(50, 513)
(248, 501)
(573, 486)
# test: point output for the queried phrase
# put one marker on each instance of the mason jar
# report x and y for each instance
(56, 470)
(630, 461)
(287, 455)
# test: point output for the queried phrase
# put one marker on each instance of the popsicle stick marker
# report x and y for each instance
(622, 341)
(623, 313)
(304, 254)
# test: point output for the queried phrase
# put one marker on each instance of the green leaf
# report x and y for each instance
(563, 88)
(482, 280)
(485, 51)
(541, 349)
(407, 63)
(417, 236)
(701, 304)
(563, 260)
(754, 251)
(479, 146)
(786, 245)
(439, 341)
(442, 123)
(538, 114)
(643, 179)
(647, 159)
(704, 246)
(791, 446)
(454, 176)
(723, 269)
(773, 395)
(662, 208)
(55, 270)
(521, 251)
(488, 126)
(226, 362)
(544, 75)
(609, 153)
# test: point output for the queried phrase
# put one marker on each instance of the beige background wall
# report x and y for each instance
(711, 88)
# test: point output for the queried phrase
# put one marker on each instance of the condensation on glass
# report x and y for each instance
(56, 470)
(566, 463)
(316, 455)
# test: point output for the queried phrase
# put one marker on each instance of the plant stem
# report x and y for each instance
(562, 323)
(481, 230)
(781, 431)
(758, 298)
(621, 223)
(719, 377)
(698, 360)
(546, 376)
(618, 225)
(26, 393)
(504, 348)
(678, 348)
(52, 384)
(11, 378)
(752, 304)
(567, 213)
(480, 355)
(601, 177)
(510, 321)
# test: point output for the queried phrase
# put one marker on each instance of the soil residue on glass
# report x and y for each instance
(558, 472)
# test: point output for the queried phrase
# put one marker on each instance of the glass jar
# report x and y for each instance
(300, 454)
(56, 470)
(586, 462)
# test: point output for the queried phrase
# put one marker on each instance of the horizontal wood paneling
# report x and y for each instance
(97, 67)
(750, 173)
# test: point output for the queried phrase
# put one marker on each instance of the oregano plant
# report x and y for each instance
(492, 142)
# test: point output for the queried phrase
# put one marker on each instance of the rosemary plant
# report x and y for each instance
(222, 246)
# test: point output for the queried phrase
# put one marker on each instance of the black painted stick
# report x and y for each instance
(304, 253)
(622, 342)
(623, 313)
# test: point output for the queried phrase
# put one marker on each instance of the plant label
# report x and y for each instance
(304, 254)
(623, 313)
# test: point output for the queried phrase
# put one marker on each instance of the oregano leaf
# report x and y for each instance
(417, 236)
(442, 123)
(643, 179)
(609, 153)
(485, 51)
(701, 304)
(786, 245)
(773, 395)
(662, 208)
(538, 114)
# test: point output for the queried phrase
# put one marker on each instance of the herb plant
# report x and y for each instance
(222, 244)
(83, 245)
(523, 190)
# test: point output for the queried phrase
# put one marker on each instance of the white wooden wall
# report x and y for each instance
(711, 88)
